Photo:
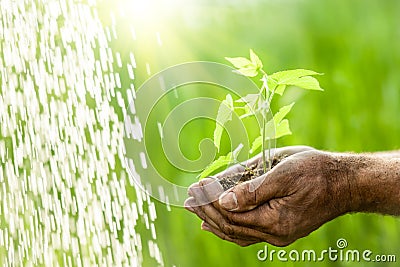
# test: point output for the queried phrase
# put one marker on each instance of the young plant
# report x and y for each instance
(259, 105)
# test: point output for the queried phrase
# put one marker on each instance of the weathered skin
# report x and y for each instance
(304, 191)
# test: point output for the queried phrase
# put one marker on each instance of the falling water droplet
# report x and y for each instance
(63, 198)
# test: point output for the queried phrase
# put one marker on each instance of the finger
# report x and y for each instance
(263, 218)
(200, 201)
(244, 233)
(240, 242)
(230, 229)
(261, 215)
(189, 202)
(250, 194)
(212, 189)
(195, 208)
(192, 206)
(196, 191)
(274, 184)
(290, 150)
(189, 191)
(258, 227)
(212, 216)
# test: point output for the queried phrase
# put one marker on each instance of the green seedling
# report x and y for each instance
(259, 105)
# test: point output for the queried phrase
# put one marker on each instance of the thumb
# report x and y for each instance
(248, 195)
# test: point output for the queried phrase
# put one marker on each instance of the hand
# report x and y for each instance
(276, 153)
(296, 197)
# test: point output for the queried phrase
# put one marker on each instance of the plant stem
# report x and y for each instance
(269, 155)
(265, 90)
(268, 97)
(263, 145)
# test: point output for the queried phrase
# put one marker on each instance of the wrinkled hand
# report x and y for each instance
(304, 191)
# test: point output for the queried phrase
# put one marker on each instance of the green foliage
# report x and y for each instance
(250, 104)
(360, 112)
(253, 104)
(283, 111)
(274, 128)
(247, 67)
(222, 161)
(299, 77)
(224, 115)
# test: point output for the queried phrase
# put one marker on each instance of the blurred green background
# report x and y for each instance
(355, 43)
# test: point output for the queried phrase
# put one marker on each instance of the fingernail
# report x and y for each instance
(205, 226)
(228, 201)
(212, 188)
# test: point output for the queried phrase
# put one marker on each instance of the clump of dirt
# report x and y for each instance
(249, 173)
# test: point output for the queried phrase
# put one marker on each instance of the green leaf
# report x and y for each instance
(217, 135)
(283, 111)
(276, 132)
(256, 144)
(239, 62)
(270, 129)
(297, 77)
(222, 161)
(245, 66)
(249, 71)
(280, 89)
(250, 101)
(274, 128)
(307, 82)
(272, 83)
(236, 152)
(282, 129)
(283, 77)
(224, 115)
(255, 60)
(247, 113)
(229, 101)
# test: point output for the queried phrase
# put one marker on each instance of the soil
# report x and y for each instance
(251, 172)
